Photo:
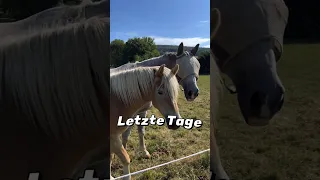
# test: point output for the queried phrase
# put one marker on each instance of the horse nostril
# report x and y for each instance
(257, 100)
(196, 94)
(189, 93)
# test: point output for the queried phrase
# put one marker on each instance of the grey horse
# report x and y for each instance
(246, 44)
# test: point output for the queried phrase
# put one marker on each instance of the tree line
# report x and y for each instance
(135, 49)
(173, 48)
(140, 49)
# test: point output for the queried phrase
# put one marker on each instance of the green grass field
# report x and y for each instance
(288, 149)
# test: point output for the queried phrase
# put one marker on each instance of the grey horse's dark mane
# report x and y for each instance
(170, 54)
(173, 55)
(56, 76)
(129, 65)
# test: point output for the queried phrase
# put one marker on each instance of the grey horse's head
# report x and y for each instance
(247, 49)
(189, 71)
(259, 88)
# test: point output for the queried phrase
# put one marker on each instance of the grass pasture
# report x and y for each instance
(165, 145)
(288, 149)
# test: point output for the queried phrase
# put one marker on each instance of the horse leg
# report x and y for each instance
(96, 160)
(217, 170)
(120, 151)
(141, 132)
(125, 137)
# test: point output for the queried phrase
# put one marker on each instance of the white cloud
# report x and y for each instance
(176, 41)
(206, 21)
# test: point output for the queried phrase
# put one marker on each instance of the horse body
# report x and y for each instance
(52, 105)
(246, 44)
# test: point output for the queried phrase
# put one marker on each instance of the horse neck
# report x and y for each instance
(140, 103)
(158, 61)
(146, 94)
(136, 106)
(123, 67)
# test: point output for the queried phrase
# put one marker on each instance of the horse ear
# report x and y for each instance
(180, 49)
(159, 73)
(175, 69)
(195, 50)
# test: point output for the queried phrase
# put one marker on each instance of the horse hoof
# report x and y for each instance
(144, 154)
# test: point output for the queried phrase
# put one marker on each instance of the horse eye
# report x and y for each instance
(160, 92)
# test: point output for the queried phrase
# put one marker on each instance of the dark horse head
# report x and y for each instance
(247, 46)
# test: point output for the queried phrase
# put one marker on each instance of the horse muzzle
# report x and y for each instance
(261, 111)
(172, 123)
(191, 95)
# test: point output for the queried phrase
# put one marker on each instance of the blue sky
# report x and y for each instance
(169, 22)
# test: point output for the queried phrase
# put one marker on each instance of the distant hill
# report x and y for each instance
(171, 48)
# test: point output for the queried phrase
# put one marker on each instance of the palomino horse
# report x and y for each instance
(54, 93)
(246, 44)
(187, 76)
(131, 89)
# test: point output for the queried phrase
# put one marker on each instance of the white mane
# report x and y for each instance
(133, 84)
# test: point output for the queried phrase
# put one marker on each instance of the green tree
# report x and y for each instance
(117, 47)
(139, 49)
(204, 60)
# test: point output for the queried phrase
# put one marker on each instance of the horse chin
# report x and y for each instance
(259, 119)
(173, 127)
(190, 99)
